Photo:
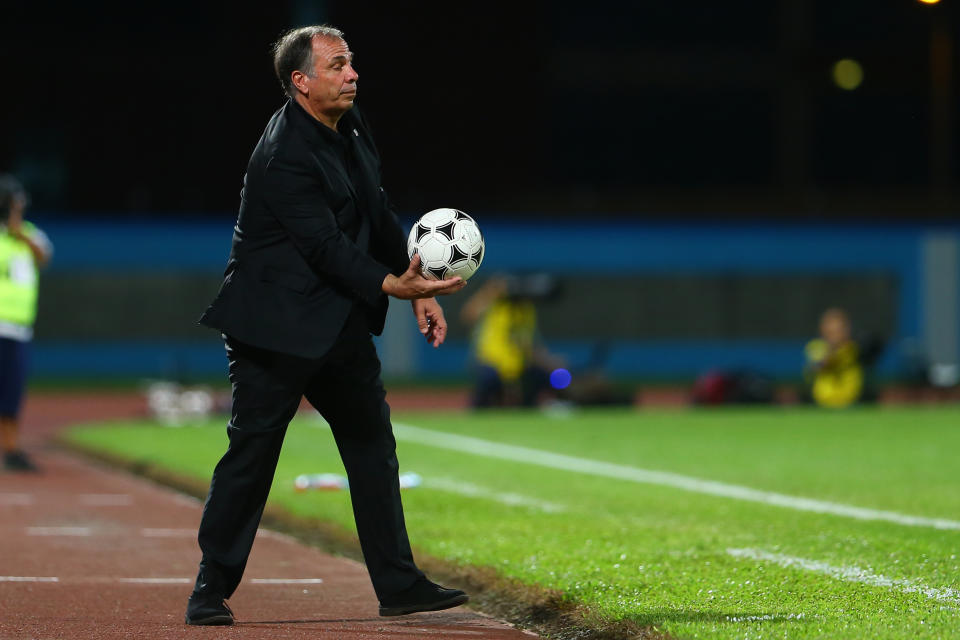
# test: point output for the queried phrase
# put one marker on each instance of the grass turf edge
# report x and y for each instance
(545, 611)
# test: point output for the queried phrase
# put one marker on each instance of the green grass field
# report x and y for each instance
(696, 559)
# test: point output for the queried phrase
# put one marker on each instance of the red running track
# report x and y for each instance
(92, 553)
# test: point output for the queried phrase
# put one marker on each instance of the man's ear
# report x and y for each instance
(299, 80)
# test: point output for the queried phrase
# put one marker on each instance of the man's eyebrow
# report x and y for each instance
(336, 59)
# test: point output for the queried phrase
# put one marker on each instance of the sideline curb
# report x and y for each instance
(544, 611)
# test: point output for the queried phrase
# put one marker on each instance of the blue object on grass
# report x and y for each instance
(560, 379)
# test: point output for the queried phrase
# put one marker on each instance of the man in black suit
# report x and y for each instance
(316, 251)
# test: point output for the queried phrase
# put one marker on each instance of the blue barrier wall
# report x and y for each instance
(596, 247)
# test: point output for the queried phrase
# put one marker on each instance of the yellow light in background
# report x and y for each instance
(929, 1)
(847, 74)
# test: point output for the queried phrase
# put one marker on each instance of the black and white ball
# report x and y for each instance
(449, 243)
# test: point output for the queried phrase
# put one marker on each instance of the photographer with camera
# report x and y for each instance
(512, 364)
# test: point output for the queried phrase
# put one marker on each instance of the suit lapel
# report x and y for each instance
(334, 161)
(323, 142)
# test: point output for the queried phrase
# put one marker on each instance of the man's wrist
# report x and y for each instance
(389, 284)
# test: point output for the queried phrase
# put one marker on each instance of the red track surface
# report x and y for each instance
(123, 554)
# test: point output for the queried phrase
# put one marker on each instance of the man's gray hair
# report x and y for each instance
(294, 52)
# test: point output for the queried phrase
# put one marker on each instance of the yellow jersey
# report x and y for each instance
(837, 374)
(505, 337)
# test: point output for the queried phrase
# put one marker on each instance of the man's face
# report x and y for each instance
(332, 85)
(835, 329)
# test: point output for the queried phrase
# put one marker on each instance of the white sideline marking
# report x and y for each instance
(765, 617)
(59, 531)
(29, 579)
(563, 462)
(155, 580)
(106, 499)
(149, 532)
(850, 574)
(286, 581)
(15, 499)
(475, 491)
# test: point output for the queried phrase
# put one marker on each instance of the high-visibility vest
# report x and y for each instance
(18, 279)
(838, 380)
(505, 337)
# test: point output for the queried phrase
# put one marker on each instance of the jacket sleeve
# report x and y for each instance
(299, 204)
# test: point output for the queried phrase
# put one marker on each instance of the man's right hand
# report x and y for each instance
(411, 284)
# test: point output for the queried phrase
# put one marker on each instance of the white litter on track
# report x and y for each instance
(850, 574)
(563, 462)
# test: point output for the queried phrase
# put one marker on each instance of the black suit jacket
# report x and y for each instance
(316, 234)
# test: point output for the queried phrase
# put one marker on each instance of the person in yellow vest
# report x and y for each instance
(24, 249)
(834, 369)
(512, 365)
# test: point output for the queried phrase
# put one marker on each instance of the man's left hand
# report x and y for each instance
(430, 320)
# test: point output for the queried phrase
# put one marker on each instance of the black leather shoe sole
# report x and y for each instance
(403, 610)
(219, 619)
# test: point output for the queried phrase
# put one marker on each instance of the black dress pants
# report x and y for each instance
(345, 387)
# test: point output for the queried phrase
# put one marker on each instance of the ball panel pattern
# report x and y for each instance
(449, 243)
(446, 230)
(432, 249)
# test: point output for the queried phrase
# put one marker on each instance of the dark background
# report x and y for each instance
(642, 109)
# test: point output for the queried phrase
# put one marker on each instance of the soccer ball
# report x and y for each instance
(449, 243)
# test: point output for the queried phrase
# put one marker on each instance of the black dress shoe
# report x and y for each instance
(206, 609)
(422, 596)
(18, 461)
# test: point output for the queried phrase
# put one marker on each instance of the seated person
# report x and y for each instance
(834, 368)
(512, 367)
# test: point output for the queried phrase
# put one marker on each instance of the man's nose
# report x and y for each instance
(352, 75)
